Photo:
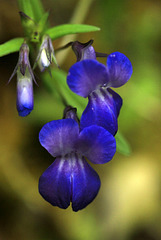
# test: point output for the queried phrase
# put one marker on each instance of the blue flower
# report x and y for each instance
(70, 178)
(89, 78)
(25, 101)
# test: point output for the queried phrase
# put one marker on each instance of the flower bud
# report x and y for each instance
(25, 101)
(83, 50)
(46, 54)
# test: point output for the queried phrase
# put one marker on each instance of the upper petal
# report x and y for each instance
(86, 76)
(97, 144)
(58, 137)
(119, 69)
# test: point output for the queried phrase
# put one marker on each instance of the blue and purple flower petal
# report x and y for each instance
(58, 137)
(103, 109)
(86, 76)
(119, 69)
(69, 179)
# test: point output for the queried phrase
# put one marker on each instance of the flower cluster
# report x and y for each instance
(71, 142)
(70, 178)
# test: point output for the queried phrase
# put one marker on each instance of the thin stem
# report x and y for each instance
(64, 47)
(101, 54)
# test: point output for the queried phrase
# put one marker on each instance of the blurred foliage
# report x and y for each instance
(128, 204)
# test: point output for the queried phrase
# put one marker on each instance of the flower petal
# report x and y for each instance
(85, 183)
(116, 99)
(58, 137)
(119, 69)
(102, 109)
(55, 183)
(25, 100)
(86, 76)
(69, 178)
(97, 144)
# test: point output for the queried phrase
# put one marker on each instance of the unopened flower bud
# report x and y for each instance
(25, 77)
(84, 50)
(46, 54)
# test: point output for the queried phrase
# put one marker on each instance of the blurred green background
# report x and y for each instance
(128, 204)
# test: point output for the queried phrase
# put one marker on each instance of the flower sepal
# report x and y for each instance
(46, 54)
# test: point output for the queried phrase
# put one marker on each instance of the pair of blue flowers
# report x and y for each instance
(70, 178)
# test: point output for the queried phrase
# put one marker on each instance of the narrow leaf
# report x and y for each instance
(65, 29)
(11, 46)
(43, 22)
(37, 9)
(122, 145)
(26, 7)
(32, 8)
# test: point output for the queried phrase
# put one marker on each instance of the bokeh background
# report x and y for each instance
(128, 204)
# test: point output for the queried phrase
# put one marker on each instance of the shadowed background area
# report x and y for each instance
(128, 204)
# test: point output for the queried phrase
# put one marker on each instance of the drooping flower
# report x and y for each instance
(70, 178)
(92, 79)
(25, 77)
(46, 54)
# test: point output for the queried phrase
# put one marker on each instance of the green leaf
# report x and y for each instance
(37, 9)
(11, 46)
(26, 7)
(122, 146)
(43, 22)
(32, 8)
(65, 29)
(28, 24)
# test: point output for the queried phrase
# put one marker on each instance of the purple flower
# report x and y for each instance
(70, 178)
(25, 101)
(89, 78)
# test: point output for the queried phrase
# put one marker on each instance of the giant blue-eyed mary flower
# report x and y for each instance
(70, 178)
(25, 77)
(92, 79)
